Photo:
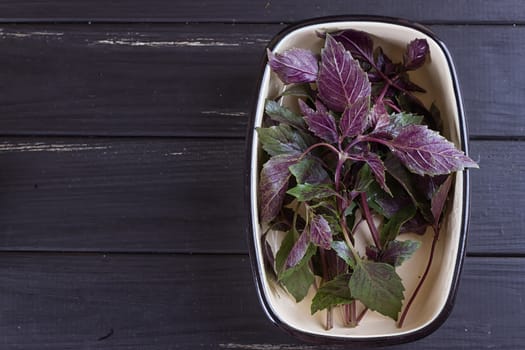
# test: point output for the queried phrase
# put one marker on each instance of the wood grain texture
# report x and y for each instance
(258, 11)
(146, 195)
(127, 79)
(186, 195)
(63, 301)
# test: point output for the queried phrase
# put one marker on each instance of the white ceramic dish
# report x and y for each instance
(436, 298)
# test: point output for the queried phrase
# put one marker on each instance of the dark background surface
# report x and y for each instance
(122, 222)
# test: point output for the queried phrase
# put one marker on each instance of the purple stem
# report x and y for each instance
(361, 315)
(392, 105)
(383, 92)
(370, 220)
(329, 320)
(353, 314)
(422, 280)
(321, 144)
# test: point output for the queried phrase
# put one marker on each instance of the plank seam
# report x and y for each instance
(496, 255)
(164, 21)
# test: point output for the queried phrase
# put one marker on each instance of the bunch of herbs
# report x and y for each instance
(362, 151)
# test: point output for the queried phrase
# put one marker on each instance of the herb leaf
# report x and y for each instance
(402, 119)
(377, 167)
(299, 278)
(309, 170)
(274, 183)
(406, 179)
(341, 80)
(379, 118)
(320, 122)
(355, 118)
(416, 53)
(282, 114)
(294, 65)
(439, 198)
(359, 43)
(298, 282)
(281, 139)
(424, 151)
(391, 228)
(332, 293)
(397, 252)
(378, 286)
(298, 90)
(342, 250)
(298, 250)
(320, 232)
(307, 192)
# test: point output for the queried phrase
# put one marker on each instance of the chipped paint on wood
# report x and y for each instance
(6, 34)
(48, 147)
(227, 114)
(194, 43)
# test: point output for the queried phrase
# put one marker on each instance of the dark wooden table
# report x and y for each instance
(122, 223)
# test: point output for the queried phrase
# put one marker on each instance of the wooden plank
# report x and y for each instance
(258, 11)
(145, 195)
(128, 80)
(68, 301)
(186, 195)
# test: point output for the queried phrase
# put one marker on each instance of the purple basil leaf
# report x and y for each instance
(385, 64)
(320, 232)
(392, 227)
(298, 250)
(397, 252)
(428, 185)
(439, 198)
(294, 65)
(417, 225)
(363, 180)
(416, 53)
(297, 278)
(424, 151)
(376, 166)
(341, 80)
(273, 184)
(391, 205)
(355, 118)
(378, 118)
(309, 170)
(378, 169)
(281, 139)
(398, 121)
(359, 43)
(406, 179)
(320, 122)
(290, 240)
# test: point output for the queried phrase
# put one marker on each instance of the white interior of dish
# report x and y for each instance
(436, 78)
